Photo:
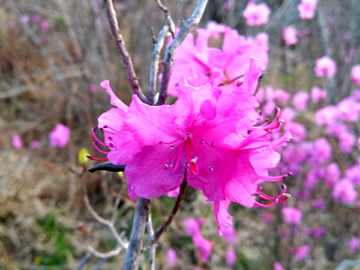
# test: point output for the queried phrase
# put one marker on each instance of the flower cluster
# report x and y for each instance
(211, 131)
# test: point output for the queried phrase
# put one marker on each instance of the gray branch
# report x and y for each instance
(129, 67)
(154, 67)
(168, 62)
(168, 17)
(137, 233)
(347, 263)
(150, 231)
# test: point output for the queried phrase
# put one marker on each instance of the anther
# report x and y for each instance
(166, 167)
(110, 138)
(101, 129)
(201, 141)
(172, 146)
(111, 145)
(160, 142)
(259, 187)
(212, 144)
(188, 165)
(171, 164)
(211, 169)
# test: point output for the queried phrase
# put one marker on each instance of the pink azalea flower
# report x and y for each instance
(298, 131)
(289, 35)
(44, 25)
(344, 192)
(348, 110)
(354, 244)
(256, 14)
(206, 132)
(356, 95)
(325, 67)
(192, 227)
(281, 96)
(346, 142)
(228, 4)
(322, 151)
(287, 115)
(319, 232)
(302, 252)
(171, 257)
(215, 29)
(35, 144)
(300, 100)
(35, 18)
(278, 266)
(16, 141)
(355, 74)
(59, 136)
(353, 174)
(332, 174)
(266, 217)
(326, 116)
(307, 9)
(204, 245)
(317, 94)
(230, 256)
(230, 235)
(318, 204)
(25, 18)
(291, 215)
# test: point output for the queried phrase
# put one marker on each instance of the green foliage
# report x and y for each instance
(54, 232)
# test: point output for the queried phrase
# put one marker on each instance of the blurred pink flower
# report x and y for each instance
(325, 67)
(300, 100)
(229, 235)
(326, 116)
(307, 9)
(266, 217)
(230, 256)
(307, 231)
(317, 94)
(228, 4)
(318, 204)
(292, 215)
(319, 232)
(289, 35)
(281, 96)
(192, 227)
(287, 115)
(356, 94)
(35, 18)
(278, 266)
(35, 144)
(256, 14)
(322, 151)
(154, 15)
(355, 74)
(348, 110)
(25, 18)
(332, 174)
(16, 141)
(354, 244)
(215, 29)
(44, 25)
(204, 245)
(346, 142)
(59, 136)
(297, 131)
(174, 193)
(302, 252)
(171, 257)
(344, 192)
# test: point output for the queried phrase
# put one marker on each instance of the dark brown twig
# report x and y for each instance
(168, 17)
(168, 62)
(114, 26)
(166, 225)
(154, 67)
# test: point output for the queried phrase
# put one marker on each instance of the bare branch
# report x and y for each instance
(168, 62)
(347, 263)
(117, 201)
(83, 261)
(104, 255)
(111, 15)
(168, 17)
(154, 67)
(150, 231)
(166, 225)
(137, 233)
(98, 218)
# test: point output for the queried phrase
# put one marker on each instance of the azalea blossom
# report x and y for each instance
(214, 135)
(317, 94)
(230, 256)
(355, 74)
(307, 9)
(344, 191)
(292, 215)
(171, 257)
(302, 252)
(35, 144)
(300, 100)
(354, 244)
(325, 67)
(289, 35)
(16, 141)
(256, 14)
(278, 266)
(59, 136)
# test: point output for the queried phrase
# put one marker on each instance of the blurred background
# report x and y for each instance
(53, 56)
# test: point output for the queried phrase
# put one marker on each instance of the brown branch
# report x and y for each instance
(166, 225)
(168, 62)
(114, 26)
(168, 17)
(154, 67)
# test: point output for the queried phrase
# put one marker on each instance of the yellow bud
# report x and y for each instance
(37, 260)
(122, 175)
(82, 156)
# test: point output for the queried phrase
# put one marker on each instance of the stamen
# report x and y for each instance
(99, 150)
(166, 167)
(172, 146)
(107, 127)
(211, 169)
(213, 144)
(96, 159)
(201, 141)
(97, 140)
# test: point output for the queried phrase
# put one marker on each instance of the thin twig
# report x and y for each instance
(99, 264)
(106, 255)
(117, 201)
(168, 62)
(168, 17)
(347, 263)
(166, 225)
(114, 26)
(83, 261)
(150, 231)
(142, 209)
(154, 67)
(99, 219)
